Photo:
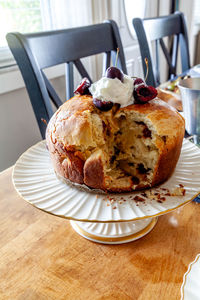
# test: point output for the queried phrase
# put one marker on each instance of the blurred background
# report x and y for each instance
(18, 127)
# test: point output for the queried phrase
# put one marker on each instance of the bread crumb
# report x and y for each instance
(178, 191)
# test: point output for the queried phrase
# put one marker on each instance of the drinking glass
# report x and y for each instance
(190, 95)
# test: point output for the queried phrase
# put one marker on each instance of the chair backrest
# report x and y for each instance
(155, 29)
(37, 51)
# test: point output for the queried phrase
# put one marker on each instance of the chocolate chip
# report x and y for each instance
(106, 128)
(135, 180)
(112, 159)
(164, 138)
(146, 133)
(141, 169)
(116, 150)
(118, 132)
(140, 123)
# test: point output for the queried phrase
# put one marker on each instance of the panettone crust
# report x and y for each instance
(78, 133)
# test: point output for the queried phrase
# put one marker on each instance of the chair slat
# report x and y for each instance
(174, 54)
(157, 63)
(52, 93)
(69, 80)
(167, 56)
(175, 50)
(80, 67)
(144, 50)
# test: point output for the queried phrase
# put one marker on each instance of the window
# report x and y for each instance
(17, 15)
(37, 15)
(134, 9)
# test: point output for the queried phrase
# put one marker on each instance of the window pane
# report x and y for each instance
(19, 15)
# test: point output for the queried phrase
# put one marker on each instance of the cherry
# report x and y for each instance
(102, 105)
(138, 81)
(144, 93)
(113, 72)
(83, 87)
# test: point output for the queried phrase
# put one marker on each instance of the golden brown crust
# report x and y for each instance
(166, 119)
(70, 124)
(67, 163)
(94, 173)
(71, 143)
(169, 155)
(73, 167)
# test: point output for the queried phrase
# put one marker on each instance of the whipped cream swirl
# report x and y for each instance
(109, 89)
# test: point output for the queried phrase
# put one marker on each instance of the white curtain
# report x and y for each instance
(60, 14)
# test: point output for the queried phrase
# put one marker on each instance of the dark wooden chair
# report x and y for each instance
(155, 29)
(37, 51)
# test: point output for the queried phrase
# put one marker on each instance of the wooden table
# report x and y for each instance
(42, 257)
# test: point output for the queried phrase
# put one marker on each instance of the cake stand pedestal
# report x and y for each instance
(114, 233)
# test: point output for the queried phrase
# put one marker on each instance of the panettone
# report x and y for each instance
(119, 150)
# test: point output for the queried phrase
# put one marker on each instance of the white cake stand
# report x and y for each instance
(108, 219)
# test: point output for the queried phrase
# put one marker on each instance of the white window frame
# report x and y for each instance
(6, 57)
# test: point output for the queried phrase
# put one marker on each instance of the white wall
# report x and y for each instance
(18, 126)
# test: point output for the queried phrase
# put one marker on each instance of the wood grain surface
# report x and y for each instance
(172, 99)
(41, 257)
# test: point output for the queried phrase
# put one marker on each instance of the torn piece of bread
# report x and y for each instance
(123, 149)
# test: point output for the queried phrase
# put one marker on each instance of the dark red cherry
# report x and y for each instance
(102, 105)
(113, 72)
(144, 93)
(83, 87)
(138, 81)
